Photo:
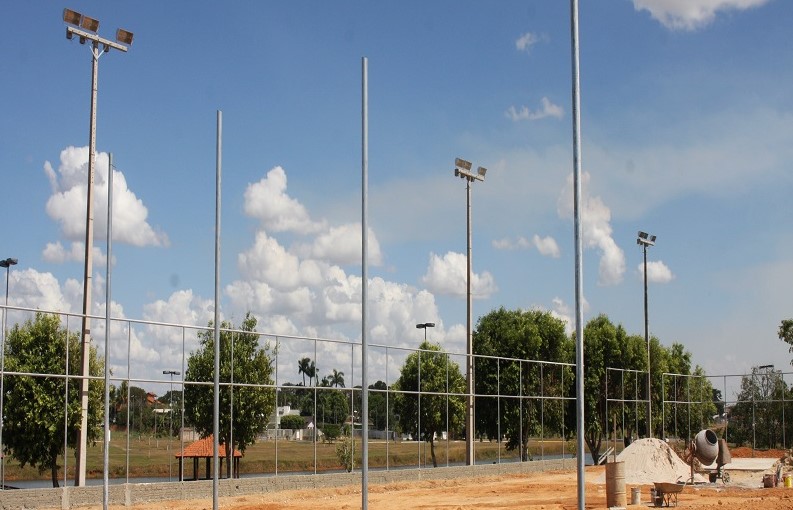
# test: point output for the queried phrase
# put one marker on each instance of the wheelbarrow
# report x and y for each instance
(666, 493)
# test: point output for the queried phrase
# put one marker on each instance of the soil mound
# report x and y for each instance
(652, 460)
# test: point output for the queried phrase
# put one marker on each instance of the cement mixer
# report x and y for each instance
(707, 448)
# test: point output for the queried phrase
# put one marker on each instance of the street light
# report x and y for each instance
(645, 240)
(424, 326)
(7, 263)
(462, 169)
(85, 29)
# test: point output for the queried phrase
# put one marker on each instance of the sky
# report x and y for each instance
(686, 124)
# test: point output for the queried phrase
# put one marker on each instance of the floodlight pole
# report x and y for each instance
(463, 170)
(646, 240)
(85, 344)
(6, 263)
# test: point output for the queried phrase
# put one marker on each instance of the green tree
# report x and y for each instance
(35, 407)
(253, 395)
(505, 339)
(292, 422)
(422, 402)
(785, 333)
(336, 379)
(303, 367)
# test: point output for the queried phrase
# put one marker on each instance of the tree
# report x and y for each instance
(756, 417)
(785, 333)
(336, 379)
(292, 422)
(422, 401)
(504, 338)
(35, 407)
(303, 366)
(253, 394)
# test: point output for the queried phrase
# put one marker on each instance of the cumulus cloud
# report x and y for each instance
(657, 272)
(526, 41)
(342, 245)
(547, 109)
(596, 229)
(67, 202)
(268, 202)
(447, 275)
(691, 14)
(58, 254)
(547, 246)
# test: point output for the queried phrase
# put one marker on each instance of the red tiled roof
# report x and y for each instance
(203, 449)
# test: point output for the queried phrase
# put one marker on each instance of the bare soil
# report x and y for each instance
(553, 490)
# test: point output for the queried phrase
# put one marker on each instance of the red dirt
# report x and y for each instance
(744, 452)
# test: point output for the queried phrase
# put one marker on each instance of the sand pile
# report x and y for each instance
(652, 460)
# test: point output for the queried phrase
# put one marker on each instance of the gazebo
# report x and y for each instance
(202, 449)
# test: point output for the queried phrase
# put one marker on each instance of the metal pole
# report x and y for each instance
(469, 373)
(7, 263)
(79, 471)
(105, 474)
(579, 255)
(364, 284)
(216, 412)
(647, 341)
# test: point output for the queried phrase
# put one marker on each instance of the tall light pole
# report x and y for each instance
(645, 240)
(462, 169)
(85, 29)
(7, 263)
(424, 326)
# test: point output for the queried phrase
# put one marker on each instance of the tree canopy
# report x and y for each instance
(503, 341)
(437, 408)
(252, 395)
(35, 407)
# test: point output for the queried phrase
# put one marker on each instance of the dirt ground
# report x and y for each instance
(553, 490)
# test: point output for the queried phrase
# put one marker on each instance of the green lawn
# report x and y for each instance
(154, 457)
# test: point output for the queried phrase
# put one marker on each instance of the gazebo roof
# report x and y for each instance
(203, 449)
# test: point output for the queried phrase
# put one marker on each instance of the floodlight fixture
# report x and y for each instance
(171, 372)
(124, 36)
(90, 24)
(72, 17)
(461, 163)
(645, 239)
(425, 325)
(481, 171)
(765, 367)
(8, 263)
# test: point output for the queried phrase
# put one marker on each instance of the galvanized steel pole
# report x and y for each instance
(364, 284)
(579, 256)
(106, 444)
(469, 359)
(216, 390)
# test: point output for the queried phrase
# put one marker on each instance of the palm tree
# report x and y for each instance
(304, 367)
(313, 372)
(337, 379)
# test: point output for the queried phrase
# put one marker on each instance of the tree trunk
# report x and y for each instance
(54, 472)
(432, 452)
(593, 441)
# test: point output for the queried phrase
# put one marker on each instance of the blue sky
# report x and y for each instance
(686, 127)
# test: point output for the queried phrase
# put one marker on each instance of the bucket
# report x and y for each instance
(615, 484)
(769, 480)
(788, 479)
(636, 495)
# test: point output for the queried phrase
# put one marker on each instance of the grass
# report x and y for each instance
(154, 457)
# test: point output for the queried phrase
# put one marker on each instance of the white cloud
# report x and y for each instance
(657, 272)
(547, 109)
(56, 253)
(596, 230)
(526, 41)
(447, 275)
(268, 202)
(342, 245)
(691, 14)
(67, 203)
(546, 246)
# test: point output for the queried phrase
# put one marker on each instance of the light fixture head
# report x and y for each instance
(461, 163)
(72, 17)
(124, 36)
(481, 171)
(643, 235)
(8, 262)
(90, 24)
